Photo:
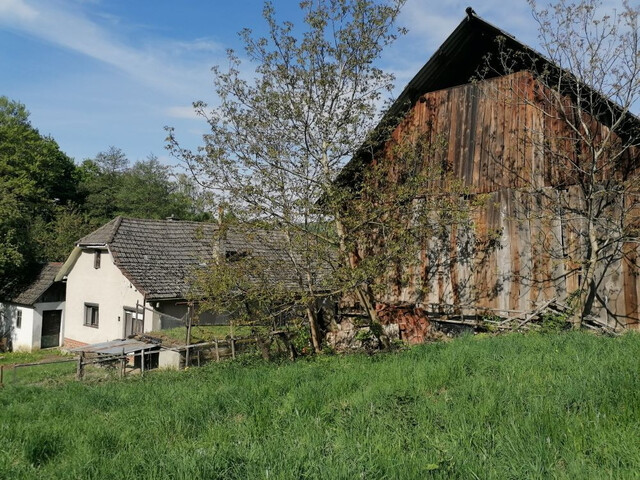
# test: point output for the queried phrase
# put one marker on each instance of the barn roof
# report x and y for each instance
(475, 48)
(44, 279)
(159, 256)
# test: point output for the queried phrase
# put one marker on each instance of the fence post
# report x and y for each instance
(187, 357)
(217, 350)
(1, 375)
(124, 364)
(142, 363)
(15, 374)
(80, 367)
(233, 347)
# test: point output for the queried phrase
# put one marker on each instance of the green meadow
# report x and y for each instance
(561, 405)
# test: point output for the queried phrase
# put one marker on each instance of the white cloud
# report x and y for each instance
(71, 28)
(183, 112)
(426, 21)
(17, 9)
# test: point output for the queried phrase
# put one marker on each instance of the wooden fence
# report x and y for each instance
(194, 355)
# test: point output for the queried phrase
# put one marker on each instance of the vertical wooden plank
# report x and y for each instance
(516, 238)
(187, 360)
(631, 312)
(80, 367)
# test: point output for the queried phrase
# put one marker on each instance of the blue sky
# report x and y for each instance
(96, 73)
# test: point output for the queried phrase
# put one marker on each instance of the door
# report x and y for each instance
(51, 320)
(132, 322)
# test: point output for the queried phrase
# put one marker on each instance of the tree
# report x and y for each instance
(55, 238)
(36, 178)
(278, 142)
(589, 140)
(144, 190)
(101, 182)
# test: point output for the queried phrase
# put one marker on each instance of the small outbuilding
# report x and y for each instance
(34, 318)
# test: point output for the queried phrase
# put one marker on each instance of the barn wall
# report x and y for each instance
(513, 251)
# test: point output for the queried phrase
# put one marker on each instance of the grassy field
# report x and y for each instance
(556, 406)
(49, 371)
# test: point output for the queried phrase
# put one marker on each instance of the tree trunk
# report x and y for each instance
(588, 286)
(364, 292)
(313, 326)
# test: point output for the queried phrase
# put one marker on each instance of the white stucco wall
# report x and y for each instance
(27, 337)
(22, 338)
(106, 287)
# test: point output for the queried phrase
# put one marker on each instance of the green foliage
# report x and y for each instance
(145, 190)
(56, 238)
(515, 406)
(243, 285)
(554, 322)
(364, 335)
(36, 178)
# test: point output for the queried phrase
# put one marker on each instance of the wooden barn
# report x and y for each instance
(551, 210)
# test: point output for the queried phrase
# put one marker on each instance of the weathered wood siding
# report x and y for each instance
(514, 255)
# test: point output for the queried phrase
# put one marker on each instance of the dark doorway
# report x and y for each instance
(51, 320)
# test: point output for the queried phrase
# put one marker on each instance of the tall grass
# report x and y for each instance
(557, 406)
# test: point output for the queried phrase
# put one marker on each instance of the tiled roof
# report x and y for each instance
(42, 282)
(102, 235)
(159, 256)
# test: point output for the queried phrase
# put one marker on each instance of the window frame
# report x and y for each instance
(89, 317)
(18, 318)
(97, 258)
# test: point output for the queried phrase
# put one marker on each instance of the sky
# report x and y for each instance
(101, 73)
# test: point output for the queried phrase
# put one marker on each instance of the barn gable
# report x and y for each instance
(504, 138)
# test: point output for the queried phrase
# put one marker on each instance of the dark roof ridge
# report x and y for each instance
(115, 229)
(42, 281)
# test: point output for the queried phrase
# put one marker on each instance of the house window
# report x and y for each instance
(96, 259)
(19, 319)
(91, 315)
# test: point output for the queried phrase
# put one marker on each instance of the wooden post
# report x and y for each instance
(198, 357)
(123, 363)
(80, 367)
(187, 358)
(233, 347)
(1, 375)
(217, 350)
(144, 310)
(142, 362)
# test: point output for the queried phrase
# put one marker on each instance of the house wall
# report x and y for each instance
(28, 336)
(512, 251)
(20, 338)
(106, 287)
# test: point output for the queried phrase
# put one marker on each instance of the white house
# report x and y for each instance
(35, 318)
(132, 275)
